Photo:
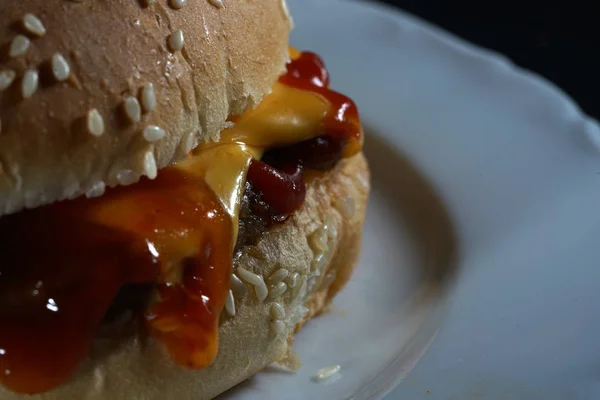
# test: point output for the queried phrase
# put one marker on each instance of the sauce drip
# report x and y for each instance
(62, 266)
(307, 72)
(275, 193)
(275, 185)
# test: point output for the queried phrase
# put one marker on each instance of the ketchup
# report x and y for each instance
(275, 193)
(308, 72)
(320, 153)
(275, 183)
(308, 68)
(63, 265)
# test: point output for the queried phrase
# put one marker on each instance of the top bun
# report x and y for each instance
(69, 70)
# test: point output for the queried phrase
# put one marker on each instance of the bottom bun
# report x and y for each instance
(314, 253)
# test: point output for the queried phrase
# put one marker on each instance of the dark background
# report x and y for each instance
(559, 41)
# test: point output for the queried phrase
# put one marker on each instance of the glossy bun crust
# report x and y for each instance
(232, 54)
(132, 368)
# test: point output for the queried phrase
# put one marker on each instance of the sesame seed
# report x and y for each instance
(363, 180)
(188, 142)
(178, 4)
(150, 168)
(278, 276)
(277, 311)
(300, 287)
(346, 206)
(95, 123)
(127, 177)
(319, 262)
(153, 133)
(230, 304)
(216, 3)
(327, 372)
(292, 280)
(19, 46)
(34, 25)
(330, 227)
(318, 240)
(176, 40)
(30, 83)
(7, 77)
(60, 67)
(278, 290)
(248, 276)
(132, 108)
(96, 190)
(237, 286)
(261, 290)
(277, 327)
(148, 97)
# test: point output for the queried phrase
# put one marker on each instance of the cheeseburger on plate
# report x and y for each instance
(179, 193)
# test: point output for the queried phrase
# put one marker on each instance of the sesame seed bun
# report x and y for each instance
(98, 93)
(256, 335)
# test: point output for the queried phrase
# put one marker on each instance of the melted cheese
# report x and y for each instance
(286, 116)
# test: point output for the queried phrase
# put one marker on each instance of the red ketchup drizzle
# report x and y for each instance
(277, 180)
(62, 266)
(277, 192)
(308, 72)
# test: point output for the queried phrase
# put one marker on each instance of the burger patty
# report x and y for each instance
(274, 190)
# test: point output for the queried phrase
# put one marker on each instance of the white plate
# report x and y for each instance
(456, 128)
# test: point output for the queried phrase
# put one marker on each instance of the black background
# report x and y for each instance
(559, 41)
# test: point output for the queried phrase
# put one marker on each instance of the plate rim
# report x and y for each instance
(479, 57)
(478, 53)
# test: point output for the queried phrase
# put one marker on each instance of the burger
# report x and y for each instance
(180, 192)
